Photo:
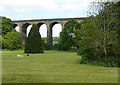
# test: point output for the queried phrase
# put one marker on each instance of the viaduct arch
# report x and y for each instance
(23, 24)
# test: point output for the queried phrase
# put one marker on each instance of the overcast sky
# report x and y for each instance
(44, 9)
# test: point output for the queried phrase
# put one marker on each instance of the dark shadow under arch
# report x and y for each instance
(15, 25)
(39, 25)
(24, 27)
(52, 24)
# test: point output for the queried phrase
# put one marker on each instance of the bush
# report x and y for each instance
(7, 25)
(11, 41)
(44, 43)
(34, 42)
(87, 57)
(55, 46)
(111, 62)
(84, 60)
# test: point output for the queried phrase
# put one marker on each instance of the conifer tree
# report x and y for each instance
(33, 41)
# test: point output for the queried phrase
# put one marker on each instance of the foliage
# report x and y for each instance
(47, 47)
(34, 42)
(11, 40)
(0, 42)
(44, 42)
(56, 42)
(98, 37)
(67, 35)
(7, 25)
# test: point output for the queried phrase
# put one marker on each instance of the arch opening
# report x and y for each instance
(17, 28)
(43, 30)
(55, 29)
(15, 25)
(26, 28)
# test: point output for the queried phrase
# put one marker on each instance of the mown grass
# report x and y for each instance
(53, 67)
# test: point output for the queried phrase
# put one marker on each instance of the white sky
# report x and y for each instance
(44, 9)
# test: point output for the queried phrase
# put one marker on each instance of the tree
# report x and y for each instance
(106, 19)
(11, 40)
(87, 37)
(98, 39)
(7, 25)
(67, 35)
(34, 42)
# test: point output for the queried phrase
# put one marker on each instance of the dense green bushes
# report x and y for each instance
(10, 38)
(34, 43)
(99, 37)
(7, 25)
(11, 41)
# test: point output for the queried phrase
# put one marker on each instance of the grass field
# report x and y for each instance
(53, 67)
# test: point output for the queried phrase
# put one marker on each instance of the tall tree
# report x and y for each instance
(106, 19)
(7, 25)
(67, 35)
(98, 37)
(34, 42)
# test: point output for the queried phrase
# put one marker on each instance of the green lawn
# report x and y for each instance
(53, 67)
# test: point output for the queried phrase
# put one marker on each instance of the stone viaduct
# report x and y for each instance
(23, 24)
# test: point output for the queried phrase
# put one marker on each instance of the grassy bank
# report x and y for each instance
(53, 67)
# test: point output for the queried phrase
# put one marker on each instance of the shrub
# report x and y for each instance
(11, 41)
(34, 42)
(44, 43)
(111, 61)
